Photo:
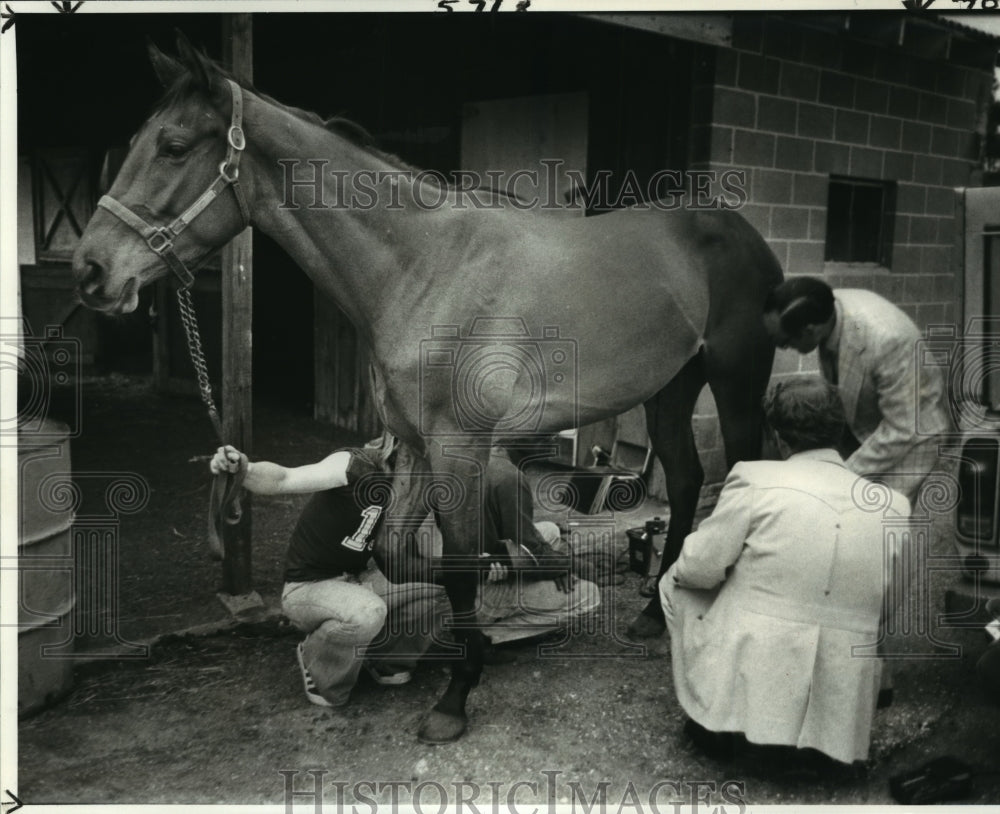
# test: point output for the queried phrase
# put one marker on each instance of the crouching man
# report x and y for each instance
(775, 588)
(333, 591)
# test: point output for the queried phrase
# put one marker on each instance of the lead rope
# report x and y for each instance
(190, 322)
(224, 507)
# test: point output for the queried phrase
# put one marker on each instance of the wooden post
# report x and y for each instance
(237, 344)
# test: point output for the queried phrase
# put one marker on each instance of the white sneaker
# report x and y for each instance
(307, 681)
(387, 679)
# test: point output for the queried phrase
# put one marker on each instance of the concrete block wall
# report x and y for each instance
(790, 105)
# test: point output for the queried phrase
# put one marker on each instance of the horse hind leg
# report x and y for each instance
(738, 373)
(668, 422)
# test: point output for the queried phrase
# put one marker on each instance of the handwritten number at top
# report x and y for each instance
(521, 5)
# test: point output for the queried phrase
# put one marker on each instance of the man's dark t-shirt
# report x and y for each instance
(333, 536)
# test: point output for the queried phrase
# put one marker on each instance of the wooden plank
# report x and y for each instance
(237, 338)
(712, 29)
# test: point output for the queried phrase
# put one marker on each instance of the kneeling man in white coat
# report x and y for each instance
(774, 598)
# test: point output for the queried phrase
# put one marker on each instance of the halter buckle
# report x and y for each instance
(225, 169)
(160, 241)
(236, 138)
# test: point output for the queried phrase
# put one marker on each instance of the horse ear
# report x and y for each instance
(166, 68)
(201, 68)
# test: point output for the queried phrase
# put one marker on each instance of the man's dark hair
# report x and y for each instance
(806, 412)
(800, 301)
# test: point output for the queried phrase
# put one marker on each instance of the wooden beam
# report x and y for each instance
(712, 29)
(237, 337)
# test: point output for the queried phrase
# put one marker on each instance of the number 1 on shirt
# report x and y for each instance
(369, 517)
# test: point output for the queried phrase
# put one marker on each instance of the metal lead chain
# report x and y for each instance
(190, 323)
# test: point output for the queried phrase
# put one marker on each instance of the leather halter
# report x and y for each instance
(160, 239)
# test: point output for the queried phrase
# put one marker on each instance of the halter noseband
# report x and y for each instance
(160, 239)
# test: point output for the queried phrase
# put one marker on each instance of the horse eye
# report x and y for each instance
(174, 149)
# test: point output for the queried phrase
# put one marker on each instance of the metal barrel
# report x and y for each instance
(47, 500)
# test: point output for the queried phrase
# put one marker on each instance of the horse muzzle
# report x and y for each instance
(91, 288)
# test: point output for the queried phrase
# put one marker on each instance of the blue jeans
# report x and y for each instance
(349, 618)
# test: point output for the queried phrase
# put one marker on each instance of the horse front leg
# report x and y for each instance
(447, 720)
(457, 477)
(668, 422)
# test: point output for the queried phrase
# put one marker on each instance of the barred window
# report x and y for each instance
(859, 221)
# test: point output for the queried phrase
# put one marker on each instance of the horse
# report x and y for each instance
(482, 321)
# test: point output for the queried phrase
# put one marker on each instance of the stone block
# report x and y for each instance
(871, 96)
(911, 198)
(904, 102)
(940, 201)
(923, 229)
(735, 107)
(790, 222)
(832, 158)
(799, 82)
(851, 127)
(885, 132)
(933, 108)
(809, 189)
(866, 162)
(817, 225)
(776, 115)
(928, 170)
(771, 186)
(805, 257)
(815, 121)
(758, 73)
(916, 137)
(944, 142)
(836, 89)
(753, 149)
(898, 166)
(794, 154)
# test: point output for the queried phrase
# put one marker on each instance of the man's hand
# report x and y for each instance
(498, 572)
(226, 459)
(566, 582)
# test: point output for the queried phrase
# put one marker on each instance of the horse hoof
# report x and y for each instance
(439, 727)
(646, 627)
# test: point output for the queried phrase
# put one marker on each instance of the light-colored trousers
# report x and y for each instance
(519, 608)
(348, 619)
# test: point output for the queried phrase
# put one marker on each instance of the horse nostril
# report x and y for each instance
(89, 276)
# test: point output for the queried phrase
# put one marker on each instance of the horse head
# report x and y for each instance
(182, 159)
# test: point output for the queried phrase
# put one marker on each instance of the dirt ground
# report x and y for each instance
(219, 717)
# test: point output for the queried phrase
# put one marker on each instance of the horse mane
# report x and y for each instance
(346, 129)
